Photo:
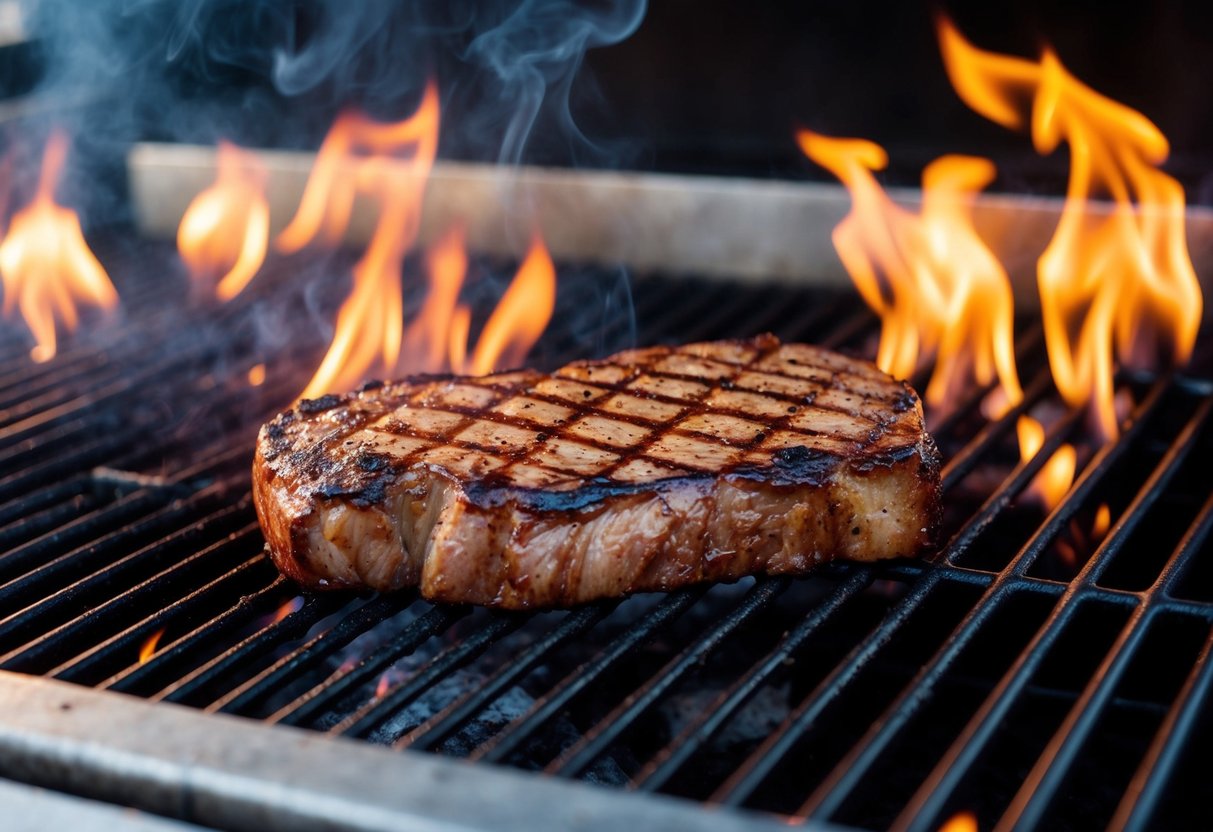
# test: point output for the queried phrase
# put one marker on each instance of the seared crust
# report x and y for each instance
(652, 469)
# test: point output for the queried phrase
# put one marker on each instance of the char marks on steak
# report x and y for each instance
(650, 470)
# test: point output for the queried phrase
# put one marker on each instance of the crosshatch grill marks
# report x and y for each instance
(624, 491)
(673, 445)
(637, 421)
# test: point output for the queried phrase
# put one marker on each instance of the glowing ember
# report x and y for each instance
(384, 685)
(370, 322)
(149, 647)
(225, 231)
(256, 375)
(937, 287)
(960, 822)
(45, 264)
(520, 317)
(1119, 276)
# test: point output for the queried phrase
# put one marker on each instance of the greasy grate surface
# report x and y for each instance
(1039, 669)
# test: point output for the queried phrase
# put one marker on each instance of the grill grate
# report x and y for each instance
(1032, 672)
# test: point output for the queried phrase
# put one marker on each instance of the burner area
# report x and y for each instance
(1044, 666)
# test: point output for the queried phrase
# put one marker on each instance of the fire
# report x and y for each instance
(1115, 279)
(438, 335)
(225, 230)
(520, 317)
(936, 286)
(45, 264)
(960, 822)
(149, 647)
(288, 607)
(1055, 478)
(388, 163)
(256, 375)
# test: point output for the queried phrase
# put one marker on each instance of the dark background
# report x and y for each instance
(702, 86)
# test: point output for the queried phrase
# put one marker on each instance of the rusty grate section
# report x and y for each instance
(1036, 671)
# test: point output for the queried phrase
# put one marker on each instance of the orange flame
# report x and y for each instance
(226, 228)
(287, 608)
(936, 286)
(960, 822)
(521, 315)
(430, 339)
(1102, 521)
(256, 375)
(149, 647)
(45, 264)
(370, 322)
(383, 685)
(1117, 278)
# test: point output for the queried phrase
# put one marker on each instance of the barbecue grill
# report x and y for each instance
(1044, 668)
(1029, 671)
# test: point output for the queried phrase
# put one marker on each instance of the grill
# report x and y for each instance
(1033, 672)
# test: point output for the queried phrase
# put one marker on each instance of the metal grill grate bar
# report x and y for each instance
(929, 805)
(598, 739)
(343, 683)
(449, 720)
(679, 751)
(575, 683)
(366, 719)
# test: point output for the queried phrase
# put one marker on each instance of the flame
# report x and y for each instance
(430, 338)
(362, 156)
(438, 337)
(226, 228)
(45, 264)
(256, 375)
(149, 647)
(384, 685)
(1055, 478)
(937, 288)
(521, 315)
(288, 607)
(1119, 279)
(1102, 522)
(960, 822)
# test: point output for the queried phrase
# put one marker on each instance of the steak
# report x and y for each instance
(649, 470)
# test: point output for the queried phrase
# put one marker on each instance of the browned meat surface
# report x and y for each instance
(650, 470)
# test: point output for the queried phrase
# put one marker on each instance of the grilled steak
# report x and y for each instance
(649, 470)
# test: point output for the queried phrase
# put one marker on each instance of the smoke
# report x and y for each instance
(275, 73)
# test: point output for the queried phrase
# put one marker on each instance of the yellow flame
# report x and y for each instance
(1102, 522)
(960, 822)
(937, 287)
(224, 232)
(521, 315)
(149, 647)
(1119, 277)
(1056, 476)
(45, 264)
(370, 322)
(428, 338)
